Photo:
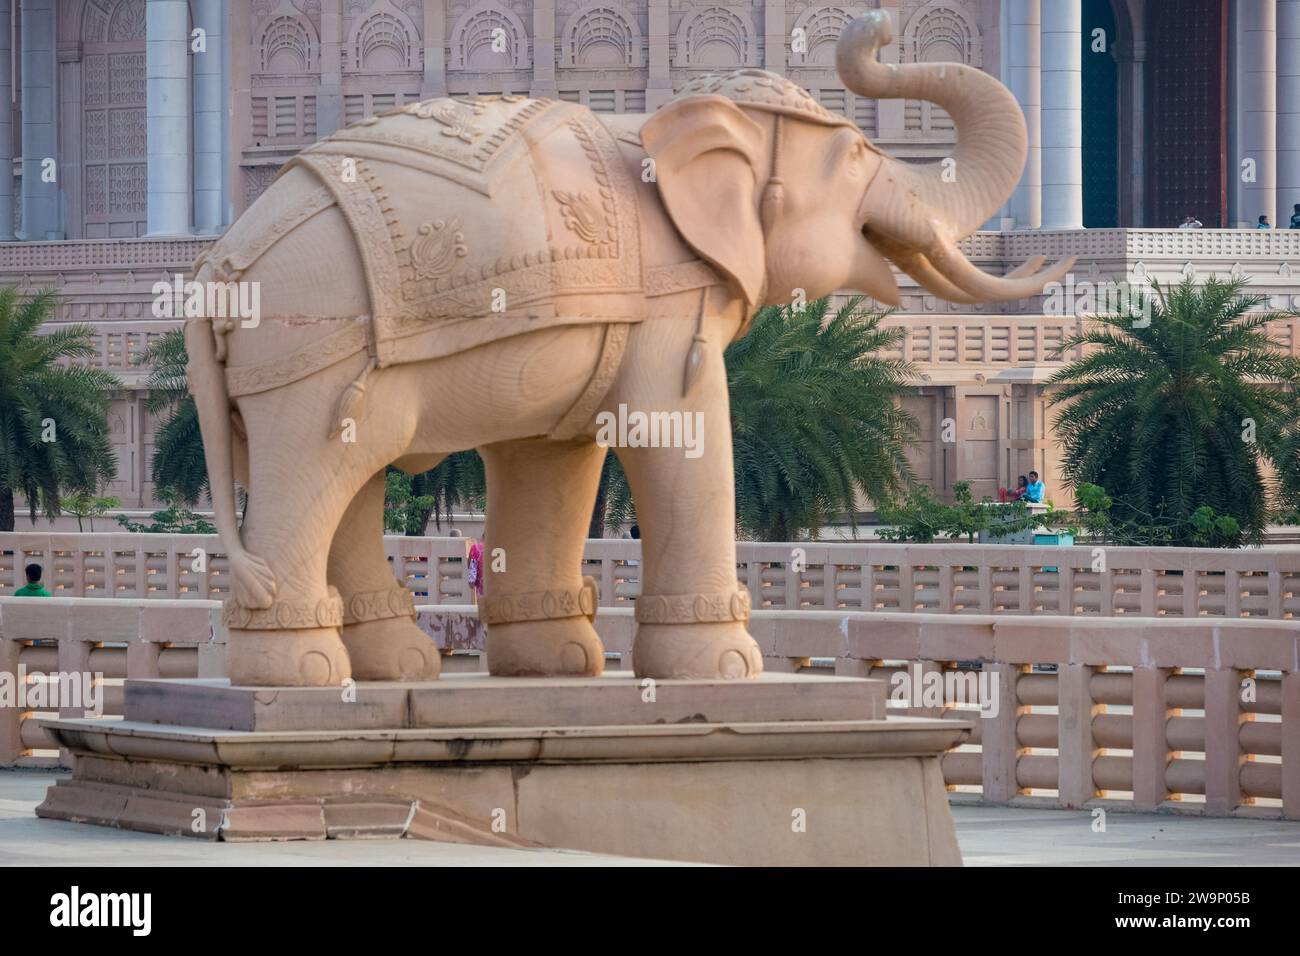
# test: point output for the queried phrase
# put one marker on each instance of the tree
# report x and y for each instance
(87, 507)
(922, 518)
(613, 499)
(411, 500)
(816, 417)
(174, 519)
(179, 470)
(53, 417)
(1180, 410)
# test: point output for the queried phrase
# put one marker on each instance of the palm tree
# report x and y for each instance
(816, 417)
(53, 418)
(179, 471)
(613, 499)
(1182, 411)
(459, 479)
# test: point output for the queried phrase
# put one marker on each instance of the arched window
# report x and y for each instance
(816, 31)
(384, 42)
(941, 32)
(287, 45)
(715, 37)
(488, 39)
(601, 37)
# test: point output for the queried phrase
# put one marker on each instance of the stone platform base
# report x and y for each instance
(786, 770)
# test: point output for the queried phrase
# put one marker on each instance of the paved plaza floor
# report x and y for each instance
(989, 836)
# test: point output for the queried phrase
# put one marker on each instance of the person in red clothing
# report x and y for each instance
(1014, 494)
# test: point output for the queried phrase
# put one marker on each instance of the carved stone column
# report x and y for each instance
(1288, 109)
(329, 102)
(1252, 169)
(1023, 64)
(890, 113)
(435, 52)
(6, 123)
(660, 89)
(1061, 75)
(543, 49)
(40, 171)
(774, 33)
(209, 120)
(167, 109)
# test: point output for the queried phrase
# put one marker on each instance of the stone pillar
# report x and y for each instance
(1062, 114)
(209, 120)
(543, 49)
(774, 36)
(1253, 167)
(660, 88)
(167, 103)
(1023, 64)
(435, 48)
(41, 218)
(1288, 109)
(6, 123)
(889, 113)
(329, 102)
(1132, 136)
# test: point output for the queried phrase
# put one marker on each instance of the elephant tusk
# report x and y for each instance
(919, 268)
(1020, 283)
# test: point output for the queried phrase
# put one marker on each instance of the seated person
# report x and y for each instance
(33, 586)
(1034, 491)
(1014, 494)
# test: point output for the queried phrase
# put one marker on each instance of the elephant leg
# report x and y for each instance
(379, 628)
(302, 482)
(692, 613)
(537, 607)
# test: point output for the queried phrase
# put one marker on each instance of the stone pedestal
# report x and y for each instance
(786, 770)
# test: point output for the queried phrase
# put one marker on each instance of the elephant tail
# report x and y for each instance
(253, 582)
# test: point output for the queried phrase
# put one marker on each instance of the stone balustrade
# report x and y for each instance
(1201, 715)
(89, 646)
(964, 579)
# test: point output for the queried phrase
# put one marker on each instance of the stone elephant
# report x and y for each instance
(506, 273)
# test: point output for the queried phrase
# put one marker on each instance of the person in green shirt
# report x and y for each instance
(33, 586)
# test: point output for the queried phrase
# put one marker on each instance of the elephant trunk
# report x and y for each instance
(971, 184)
(916, 213)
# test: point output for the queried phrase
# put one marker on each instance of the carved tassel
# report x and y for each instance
(694, 363)
(353, 400)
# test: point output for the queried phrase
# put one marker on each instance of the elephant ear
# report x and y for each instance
(707, 155)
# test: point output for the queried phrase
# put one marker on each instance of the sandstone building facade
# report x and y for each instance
(137, 131)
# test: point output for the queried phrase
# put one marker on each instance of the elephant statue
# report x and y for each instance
(506, 273)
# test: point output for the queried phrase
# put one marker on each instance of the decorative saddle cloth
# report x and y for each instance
(533, 222)
(476, 220)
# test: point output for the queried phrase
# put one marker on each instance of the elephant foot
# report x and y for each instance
(564, 647)
(302, 657)
(696, 652)
(391, 649)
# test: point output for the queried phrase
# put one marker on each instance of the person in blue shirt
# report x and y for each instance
(1034, 491)
(1295, 217)
(1264, 223)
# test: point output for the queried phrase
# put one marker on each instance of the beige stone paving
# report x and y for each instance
(989, 836)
